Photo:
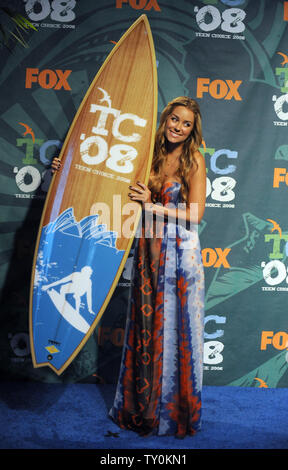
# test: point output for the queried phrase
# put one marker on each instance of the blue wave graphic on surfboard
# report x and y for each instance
(76, 265)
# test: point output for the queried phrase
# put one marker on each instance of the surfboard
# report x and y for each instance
(88, 221)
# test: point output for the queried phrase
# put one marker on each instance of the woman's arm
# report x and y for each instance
(197, 186)
(195, 206)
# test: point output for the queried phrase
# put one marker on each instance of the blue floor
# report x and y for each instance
(75, 416)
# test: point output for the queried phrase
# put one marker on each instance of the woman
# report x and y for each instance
(160, 380)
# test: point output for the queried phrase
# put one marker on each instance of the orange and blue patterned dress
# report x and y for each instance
(160, 379)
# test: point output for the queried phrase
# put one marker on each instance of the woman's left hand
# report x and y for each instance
(56, 164)
(141, 193)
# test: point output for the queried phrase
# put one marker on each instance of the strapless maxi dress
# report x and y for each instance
(160, 380)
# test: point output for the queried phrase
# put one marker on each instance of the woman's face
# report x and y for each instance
(179, 125)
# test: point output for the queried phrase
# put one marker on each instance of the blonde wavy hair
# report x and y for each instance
(186, 160)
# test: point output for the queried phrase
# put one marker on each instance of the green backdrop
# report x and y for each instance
(232, 56)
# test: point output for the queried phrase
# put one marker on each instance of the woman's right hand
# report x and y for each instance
(56, 164)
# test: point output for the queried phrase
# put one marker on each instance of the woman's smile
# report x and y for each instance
(174, 133)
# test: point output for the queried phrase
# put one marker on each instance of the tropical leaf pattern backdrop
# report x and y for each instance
(231, 56)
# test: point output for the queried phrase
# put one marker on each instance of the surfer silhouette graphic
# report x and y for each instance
(78, 284)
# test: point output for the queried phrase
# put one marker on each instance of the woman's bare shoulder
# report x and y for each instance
(200, 163)
(199, 157)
